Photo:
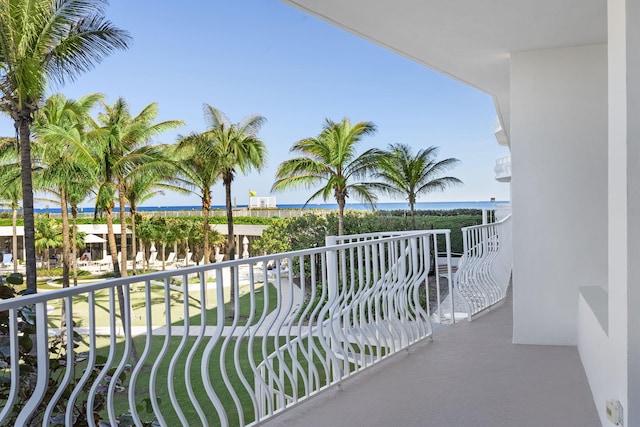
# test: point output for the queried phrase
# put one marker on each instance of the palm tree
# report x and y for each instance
(80, 189)
(11, 188)
(43, 40)
(57, 124)
(117, 148)
(407, 175)
(141, 185)
(220, 152)
(47, 236)
(330, 159)
(124, 149)
(161, 230)
(198, 172)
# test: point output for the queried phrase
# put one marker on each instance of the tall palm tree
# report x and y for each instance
(113, 150)
(198, 172)
(330, 159)
(56, 125)
(124, 149)
(405, 174)
(221, 152)
(43, 40)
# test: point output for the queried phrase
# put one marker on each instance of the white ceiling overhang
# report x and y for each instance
(468, 40)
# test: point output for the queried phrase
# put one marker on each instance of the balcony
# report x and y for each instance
(470, 375)
(304, 324)
(503, 169)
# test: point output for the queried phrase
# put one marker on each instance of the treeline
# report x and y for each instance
(431, 212)
(250, 220)
(309, 230)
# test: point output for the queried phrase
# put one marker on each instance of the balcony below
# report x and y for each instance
(470, 375)
(503, 169)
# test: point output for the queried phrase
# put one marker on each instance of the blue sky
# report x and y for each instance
(263, 57)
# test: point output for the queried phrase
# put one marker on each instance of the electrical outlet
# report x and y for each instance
(614, 411)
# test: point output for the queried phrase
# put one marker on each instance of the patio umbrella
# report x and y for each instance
(92, 238)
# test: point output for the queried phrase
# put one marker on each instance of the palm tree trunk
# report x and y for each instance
(23, 122)
(123, 233)
(65, 260)
(74, 240)
(113, 249)
(111, 237)
(65, 239)
(134, 247)
(206, 208)
(164, 257)
(231, 241)
(14, 224)
(341, 203)
(413, 215)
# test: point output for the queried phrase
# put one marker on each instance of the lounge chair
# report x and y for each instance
(139, 259)
(7, 260)
(104, 262)
(152, 259)
(170, 260)
(186, 261)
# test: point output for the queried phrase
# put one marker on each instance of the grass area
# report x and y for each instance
(224, 351)
(194, 376)
(159, 305)
(182, 373)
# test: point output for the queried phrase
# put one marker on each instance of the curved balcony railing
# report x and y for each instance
(484, 271)
(503, 169)
(175, 348)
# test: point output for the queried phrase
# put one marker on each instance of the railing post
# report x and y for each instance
(332, 289)
(447, 239)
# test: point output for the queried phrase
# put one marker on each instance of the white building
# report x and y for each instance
(262, 202)
(95, 236)
(565, 78)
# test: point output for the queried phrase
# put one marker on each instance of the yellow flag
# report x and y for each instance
(252, 193)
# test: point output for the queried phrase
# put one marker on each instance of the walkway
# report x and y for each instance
(471, 375)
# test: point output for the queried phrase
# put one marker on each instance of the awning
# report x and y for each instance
(92, 238)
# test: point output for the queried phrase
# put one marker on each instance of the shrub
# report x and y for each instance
(309, 230)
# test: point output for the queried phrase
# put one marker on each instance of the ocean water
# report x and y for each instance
(352, 206)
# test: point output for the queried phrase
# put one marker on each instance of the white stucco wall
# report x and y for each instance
(559, 187)
(632, 285)
(619, 220)
(593, 345)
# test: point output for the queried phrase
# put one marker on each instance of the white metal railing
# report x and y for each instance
(441, 263)
(484, 272)
(301, 321)
(502, 211)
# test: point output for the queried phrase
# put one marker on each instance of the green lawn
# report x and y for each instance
(162, 384)
(159, 303)
(216, 369)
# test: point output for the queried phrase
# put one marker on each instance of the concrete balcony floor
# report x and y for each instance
(470, 375)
